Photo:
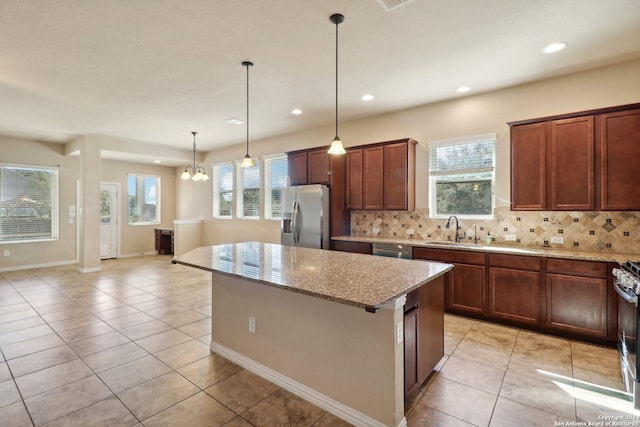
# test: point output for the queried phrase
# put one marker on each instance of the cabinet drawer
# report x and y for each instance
(515, 262)
(451, 256)
(579, 268)
(355, 247)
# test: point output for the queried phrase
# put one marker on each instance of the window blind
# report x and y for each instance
(28, 203)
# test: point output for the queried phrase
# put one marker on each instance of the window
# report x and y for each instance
(275, 181)
(222, 190)
(248, 192)
(461, 177)
(28, 203)
(144, 199)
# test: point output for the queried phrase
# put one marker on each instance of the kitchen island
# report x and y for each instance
(326, 325)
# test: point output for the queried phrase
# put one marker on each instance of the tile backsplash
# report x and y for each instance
(616, 232)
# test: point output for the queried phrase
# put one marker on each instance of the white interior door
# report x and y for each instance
(109, 220)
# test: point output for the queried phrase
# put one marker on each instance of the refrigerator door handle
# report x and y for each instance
(294, 223)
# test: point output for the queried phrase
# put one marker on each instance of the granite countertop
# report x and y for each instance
(502, 249)
(353, 279)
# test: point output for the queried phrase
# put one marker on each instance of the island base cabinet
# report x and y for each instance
(577, 304)
(423, 333)
(514, 295)
(410, 351)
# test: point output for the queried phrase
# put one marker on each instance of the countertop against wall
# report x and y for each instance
(502, 249)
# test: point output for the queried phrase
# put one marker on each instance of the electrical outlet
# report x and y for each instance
(510, 237)
(410, 232)
(252, 324)
(557, 240)
(7, 253)
(376, 230)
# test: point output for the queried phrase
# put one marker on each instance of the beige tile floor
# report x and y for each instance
(128, 346)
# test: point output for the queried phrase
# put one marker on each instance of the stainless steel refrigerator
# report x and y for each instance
(305, 216)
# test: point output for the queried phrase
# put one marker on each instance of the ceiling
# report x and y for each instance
(154, 70)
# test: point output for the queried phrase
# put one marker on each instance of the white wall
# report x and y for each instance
(135, 240)
(466, 116)
(35, 153)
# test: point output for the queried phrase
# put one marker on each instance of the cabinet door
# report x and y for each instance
(466, 289)
(430, 326)
(577, 304)
(410, 351)
(528, 163)
(354, 247)
(354, 179)
(619, 143)
(297, 163)
(318, 167)
(397, 187)
(572, 161)
(372, 178)
(514, 295)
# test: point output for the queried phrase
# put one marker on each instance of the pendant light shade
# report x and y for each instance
(194, 172)
(336, 145)
(247, 162)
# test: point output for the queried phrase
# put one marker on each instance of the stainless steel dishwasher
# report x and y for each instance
(392, 250)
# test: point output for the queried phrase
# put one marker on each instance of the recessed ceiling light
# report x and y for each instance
(554, 47)
(463, 89)
(235, 121)
(296, 111)
(367, 97)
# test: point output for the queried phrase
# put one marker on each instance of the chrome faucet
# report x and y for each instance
(475, 234)
(448, 224)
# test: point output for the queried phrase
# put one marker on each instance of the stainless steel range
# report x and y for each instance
(627, 285)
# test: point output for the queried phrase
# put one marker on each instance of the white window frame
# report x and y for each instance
(54, 206)
(268, 187)
(475, 173)
(217, 191)
(158, 217)
(240, 189)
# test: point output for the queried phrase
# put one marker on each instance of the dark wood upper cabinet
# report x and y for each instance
(373, 178)
(297, 164)
(399, 176)
(353, 190)
(571, 157)
(528, 163)
(619, 146)
(309, 166)
(318, 166)
(581, 161)
(381, 176)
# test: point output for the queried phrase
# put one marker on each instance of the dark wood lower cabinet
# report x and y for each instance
(466, 289)
(514, 295)
(355, 247)
(423, 333)
(566, 297)
(577, 304)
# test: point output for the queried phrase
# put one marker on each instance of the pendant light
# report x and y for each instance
(247, 162)
(197, 173)
(336, 145)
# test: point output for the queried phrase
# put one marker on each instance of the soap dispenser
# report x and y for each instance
(488, 240)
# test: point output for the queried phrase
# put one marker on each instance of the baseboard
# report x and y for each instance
(44, 265)
(336, 408)
(138, 254)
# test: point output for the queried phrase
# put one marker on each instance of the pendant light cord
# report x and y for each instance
(194, 151)
(337, 23)
(247, 64)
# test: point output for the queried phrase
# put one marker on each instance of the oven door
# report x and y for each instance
(628, 318)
